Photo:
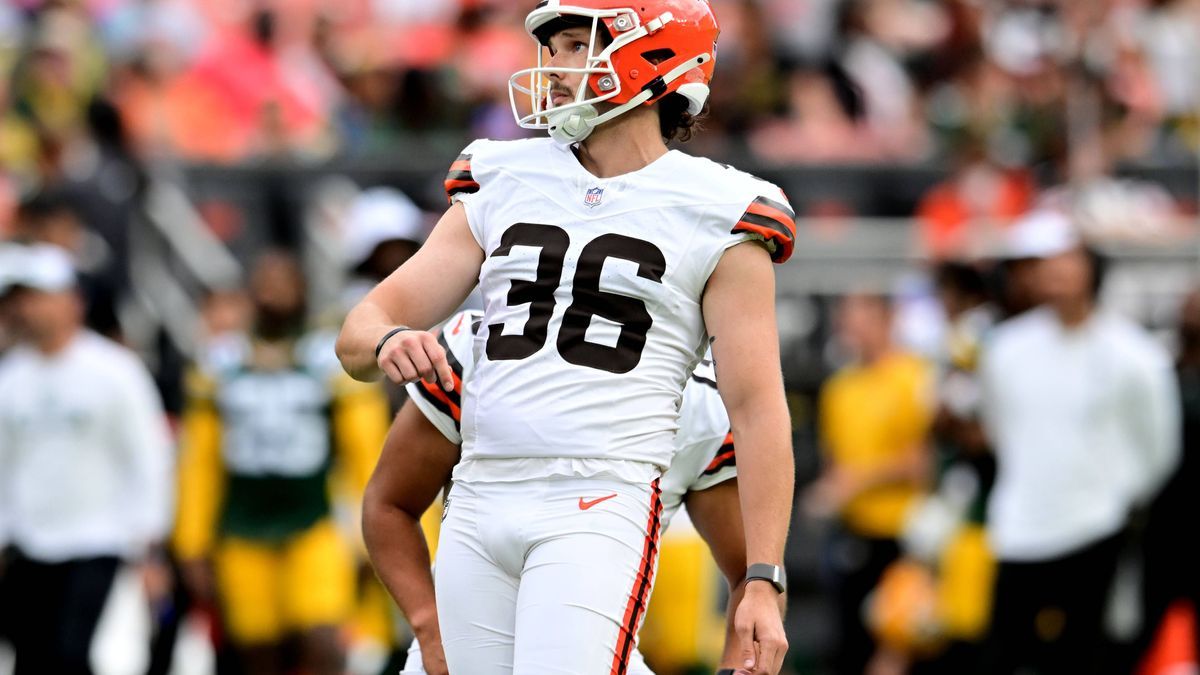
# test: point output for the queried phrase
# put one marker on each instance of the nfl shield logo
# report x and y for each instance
(593, 196)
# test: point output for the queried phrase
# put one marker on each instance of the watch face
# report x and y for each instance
(772, 574)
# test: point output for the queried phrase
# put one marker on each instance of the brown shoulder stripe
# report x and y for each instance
(772, 221)
(459, 179)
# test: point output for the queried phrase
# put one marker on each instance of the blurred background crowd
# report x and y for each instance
(213, 183)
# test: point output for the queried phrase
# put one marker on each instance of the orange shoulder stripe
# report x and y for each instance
(767, 211)
(783, 243)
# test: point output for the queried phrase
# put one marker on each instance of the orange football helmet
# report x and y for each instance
(652, 48)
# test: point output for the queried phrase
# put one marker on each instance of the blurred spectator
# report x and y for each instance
(62, 71)
(1168, 32)
(1022, 245)
(1106, 206)
(382, 231)
(224, 312)
(228, 82)
(270, 421)
(963, 293)
(943, 538)
(800, 28)
(85, 463)
(164, 102)
(1081, 409)
(979, 191)
(874, 419)
(52, 217)
(496, 46)
(879, 34)
(823, 121)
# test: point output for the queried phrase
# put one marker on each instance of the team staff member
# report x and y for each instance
(606, 262)
(1082, 409)
(269, 418)
(875, 416)
(85, 468)
(422, 448)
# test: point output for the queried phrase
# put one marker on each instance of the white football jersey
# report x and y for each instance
(704, 454)
(591, 288)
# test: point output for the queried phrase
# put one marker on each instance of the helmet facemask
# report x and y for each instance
(573, 122)
(568, 123)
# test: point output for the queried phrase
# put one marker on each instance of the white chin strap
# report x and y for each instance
(576, 124)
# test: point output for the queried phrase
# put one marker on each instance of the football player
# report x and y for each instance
(423, 446)
(271, 426)
(606, 263)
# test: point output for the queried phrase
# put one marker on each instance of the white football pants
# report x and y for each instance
(546, 577)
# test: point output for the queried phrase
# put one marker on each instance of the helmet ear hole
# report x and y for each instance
(657, 56)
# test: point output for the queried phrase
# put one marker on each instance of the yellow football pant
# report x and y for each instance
(269, 590)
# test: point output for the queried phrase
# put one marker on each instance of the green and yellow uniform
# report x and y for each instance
(268, 432)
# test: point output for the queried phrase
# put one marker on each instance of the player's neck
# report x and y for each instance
(629, 143)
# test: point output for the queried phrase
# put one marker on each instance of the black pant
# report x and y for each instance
(51, 611)
(1048, 616)
(857, 563)
(1170, 563)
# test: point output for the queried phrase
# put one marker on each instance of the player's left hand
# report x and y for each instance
(759, 629)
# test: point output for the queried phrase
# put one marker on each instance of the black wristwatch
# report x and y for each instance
(772, 574)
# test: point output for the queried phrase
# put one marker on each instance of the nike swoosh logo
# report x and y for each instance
(584, 505)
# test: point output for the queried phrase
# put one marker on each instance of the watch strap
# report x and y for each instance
(772, 574)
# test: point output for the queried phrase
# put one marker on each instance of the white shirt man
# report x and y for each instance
(1082, 411)
(85, 467)
(1084, 422)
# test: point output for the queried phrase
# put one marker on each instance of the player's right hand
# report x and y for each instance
(759, 628)
(413, 355)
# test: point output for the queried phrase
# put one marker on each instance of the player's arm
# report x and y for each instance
(415, 464)
(360, 424)
(739, 314)
(421, 292)
(1153, 413)
(144, 436)
(717, 516)
(200, 485)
